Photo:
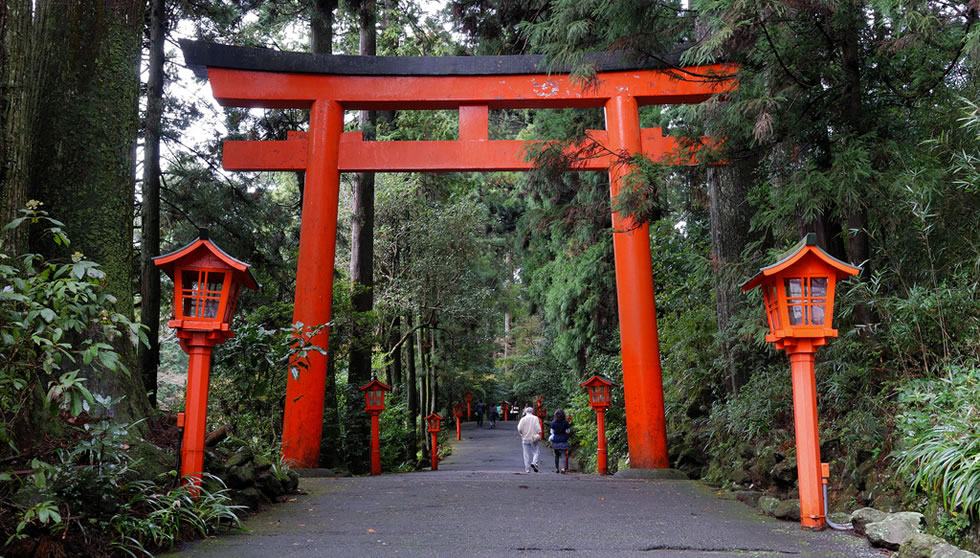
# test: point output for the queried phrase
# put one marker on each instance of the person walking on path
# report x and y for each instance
(479, 414)
(493, 416)
(561, 430)
(530, 430)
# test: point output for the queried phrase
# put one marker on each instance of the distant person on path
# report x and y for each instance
(479, 414)
(530, 430)
(561, 430)
(493, 416)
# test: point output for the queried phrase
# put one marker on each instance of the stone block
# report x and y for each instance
(768, 505)
(864, 516)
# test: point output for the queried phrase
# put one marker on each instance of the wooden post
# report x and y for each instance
(303, 419)
(646, 428)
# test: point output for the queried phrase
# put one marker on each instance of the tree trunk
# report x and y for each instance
(149, 357)
(396, 353)
(362, 236)
(509, 266)
(82, 162)
(728, 188)
(433, 379)
(331, 454)
(25, 57)
(321, 26)
(852, 110)
(411, 389)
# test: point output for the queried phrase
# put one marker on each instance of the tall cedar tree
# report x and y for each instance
(71, 86)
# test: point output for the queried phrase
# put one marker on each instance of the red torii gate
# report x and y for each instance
(329, 85)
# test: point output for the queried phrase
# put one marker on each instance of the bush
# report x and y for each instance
(941, 429)
(55, 320)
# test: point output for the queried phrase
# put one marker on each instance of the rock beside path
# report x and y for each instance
(893, 530)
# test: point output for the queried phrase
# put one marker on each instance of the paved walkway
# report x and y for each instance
(481, 503)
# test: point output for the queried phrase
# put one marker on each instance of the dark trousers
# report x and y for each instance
(558, 453)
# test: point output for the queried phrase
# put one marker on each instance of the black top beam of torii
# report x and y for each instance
(199, 55)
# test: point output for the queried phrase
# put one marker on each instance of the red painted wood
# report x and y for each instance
(303, 419)
(474, 122)
(808, 468)
(357, 155)
(327, 152)
(245, 88)
(646, 428)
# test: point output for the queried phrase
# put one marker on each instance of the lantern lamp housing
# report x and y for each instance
(459, 409)
(433, 421)
(468, 396)
(799, 291)
(598, 387)
(374, 396)
(207, 282)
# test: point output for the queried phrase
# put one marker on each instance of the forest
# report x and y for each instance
(856, 120)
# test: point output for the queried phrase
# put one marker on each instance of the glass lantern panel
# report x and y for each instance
(806, 299)
(818, 294)
(201, 293)
(794, 300)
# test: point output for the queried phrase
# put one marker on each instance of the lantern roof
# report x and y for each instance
(375, 384)
(199, 249)
(597, 380)
(432, 416)
(806, 246)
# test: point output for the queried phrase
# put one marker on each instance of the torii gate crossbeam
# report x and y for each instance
(329, 85)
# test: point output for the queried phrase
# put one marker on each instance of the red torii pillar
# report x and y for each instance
(252, 78)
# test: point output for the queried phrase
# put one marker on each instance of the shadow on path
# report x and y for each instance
(481, 503)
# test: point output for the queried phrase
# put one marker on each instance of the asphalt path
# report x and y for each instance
(481, 503)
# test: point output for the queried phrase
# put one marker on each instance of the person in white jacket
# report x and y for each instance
(530, 430)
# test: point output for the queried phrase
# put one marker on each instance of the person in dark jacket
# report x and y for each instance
(479, 413)
(561, 430)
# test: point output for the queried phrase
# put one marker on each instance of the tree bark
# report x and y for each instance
(149, 356)
(411, 389)
(82, 160)
(728, 188)
(396, 353)
(25, 57)
(857, 246)
(362, 237)
(321, 26)
(331, 455)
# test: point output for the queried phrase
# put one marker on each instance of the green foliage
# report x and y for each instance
(250, 371)
(940, 426)
(154, 519)
(91, 491)
(57, 325)
(396, 433)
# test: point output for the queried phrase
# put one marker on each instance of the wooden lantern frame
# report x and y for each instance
(799, 291)
(599, 390)
(207, 282)
(374, 395)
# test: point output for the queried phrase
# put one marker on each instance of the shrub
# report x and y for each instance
(941, 427)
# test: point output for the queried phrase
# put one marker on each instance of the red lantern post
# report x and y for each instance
(468, 397)
(458, 409)
(374, 403)
(542, 413)
(598, 388)
(206, 286)
(506, 407)
(799, 293)
(433, 422)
